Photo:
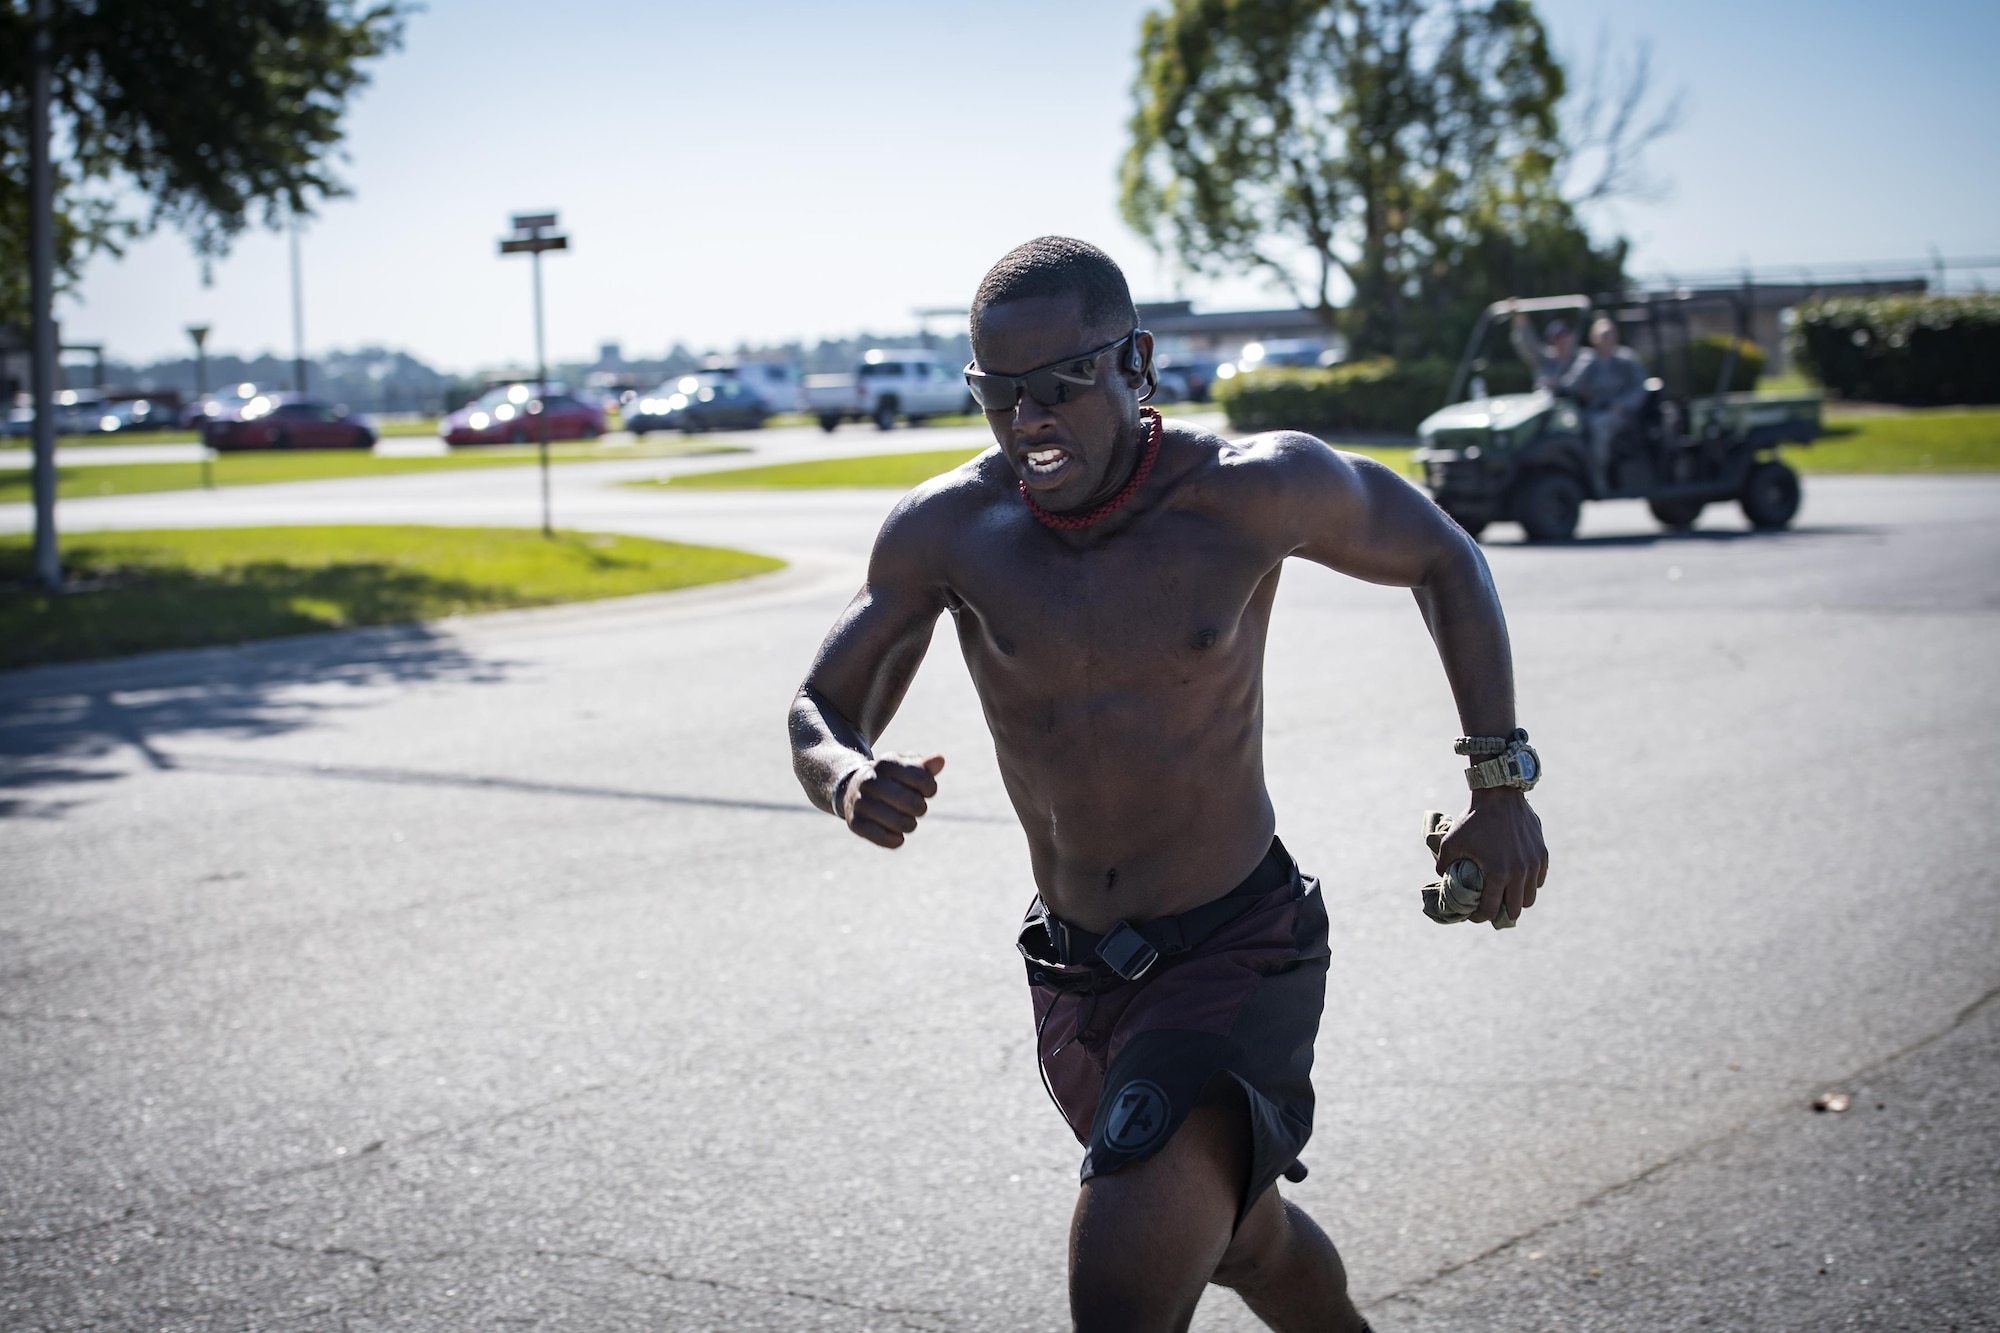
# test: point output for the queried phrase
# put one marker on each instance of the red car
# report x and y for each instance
(512, 414)
(280, 421)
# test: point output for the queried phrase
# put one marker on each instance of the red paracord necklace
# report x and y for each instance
(1116, 502)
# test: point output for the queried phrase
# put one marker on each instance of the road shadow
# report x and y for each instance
(82, 723)
(1692, 537)
(381, 775)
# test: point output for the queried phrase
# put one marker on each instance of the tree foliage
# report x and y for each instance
(1412, 147)
(204, 111)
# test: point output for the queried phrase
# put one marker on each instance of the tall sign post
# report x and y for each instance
(41, 301)
(534, 233)
(298, 315)
(199, 332)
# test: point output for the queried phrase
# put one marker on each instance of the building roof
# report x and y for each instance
(1179, 317)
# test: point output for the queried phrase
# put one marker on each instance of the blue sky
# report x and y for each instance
(789, 169)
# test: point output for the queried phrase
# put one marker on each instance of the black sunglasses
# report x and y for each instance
(1057, 382)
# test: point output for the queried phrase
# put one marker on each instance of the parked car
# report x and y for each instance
(1188, 377)
(1273, 352)
(508, 415)
(889, 382)
(78, 412)
(220, 405)
(284, 421)
(1173, 386)
(708, 401)
(139, 414)
(611, 391)
(776, 382)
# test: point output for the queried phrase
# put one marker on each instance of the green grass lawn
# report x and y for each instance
(138, 591)
(888, 471)
(1943, 440)
(897, 472)
(388, 430)
(261, 468)
(1960, 439)
(782, 419)
(99, 438)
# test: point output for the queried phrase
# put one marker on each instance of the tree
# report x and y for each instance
(200, 110)
(1412, 147)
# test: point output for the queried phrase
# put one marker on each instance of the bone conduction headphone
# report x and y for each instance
(1059, 381)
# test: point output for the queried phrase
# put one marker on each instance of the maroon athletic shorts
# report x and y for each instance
(1233, 999)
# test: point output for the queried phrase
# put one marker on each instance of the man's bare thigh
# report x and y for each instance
(1147, 1238)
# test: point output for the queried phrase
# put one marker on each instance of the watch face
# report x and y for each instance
(1530, 767)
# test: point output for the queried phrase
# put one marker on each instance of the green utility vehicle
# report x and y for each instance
(1524, 456)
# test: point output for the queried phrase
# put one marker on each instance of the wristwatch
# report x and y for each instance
(1518, 766)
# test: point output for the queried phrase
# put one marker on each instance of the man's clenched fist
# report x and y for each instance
(884, 798)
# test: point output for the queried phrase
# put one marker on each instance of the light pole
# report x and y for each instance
(41, 300)
(534, 233)
(199, 332)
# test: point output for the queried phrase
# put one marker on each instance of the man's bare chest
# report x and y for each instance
(1182, 597)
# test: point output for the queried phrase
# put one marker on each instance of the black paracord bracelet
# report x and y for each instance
(1488, 745)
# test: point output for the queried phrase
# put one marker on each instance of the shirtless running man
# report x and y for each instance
(1111, 580)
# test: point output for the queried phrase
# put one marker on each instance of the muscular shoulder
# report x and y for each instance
(1264, 477)
(927, 524)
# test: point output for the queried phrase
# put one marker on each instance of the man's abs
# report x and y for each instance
(1140, 802)
(1100, 857)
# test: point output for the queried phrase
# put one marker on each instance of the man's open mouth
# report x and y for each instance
(1043, 463)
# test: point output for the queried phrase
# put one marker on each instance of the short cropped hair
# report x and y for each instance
(1053, 266)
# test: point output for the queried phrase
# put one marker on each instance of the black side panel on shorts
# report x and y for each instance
(1148, 1091)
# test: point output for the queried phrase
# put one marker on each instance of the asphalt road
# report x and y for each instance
(493, 973)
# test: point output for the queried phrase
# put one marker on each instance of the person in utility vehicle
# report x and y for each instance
(1550, 357)
(1609, 383)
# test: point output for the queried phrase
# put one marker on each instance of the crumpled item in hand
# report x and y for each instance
(1456, 896)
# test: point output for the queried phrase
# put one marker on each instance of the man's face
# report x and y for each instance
(1564, 344)
(1076, 453)
(1604, 338)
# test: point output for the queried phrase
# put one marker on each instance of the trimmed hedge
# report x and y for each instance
(1368, 396)
(1705, 359)
(1917, 350)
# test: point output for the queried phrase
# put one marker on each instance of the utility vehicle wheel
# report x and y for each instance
(829, 423)
(1547, 505)
(1770, 496)
(517, 436)
(885, 414)
(280, 440)
(1676, 513)
(1473, 526)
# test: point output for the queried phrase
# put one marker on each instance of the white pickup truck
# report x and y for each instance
(889, 382)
